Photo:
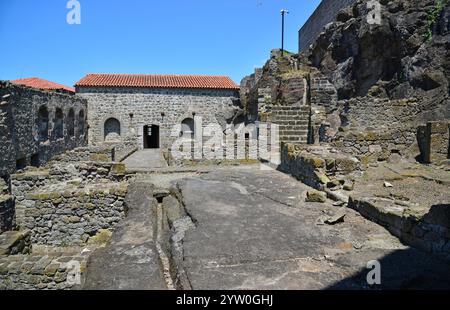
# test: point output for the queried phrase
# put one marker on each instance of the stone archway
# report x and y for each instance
(188, 128)
(59, 124)
(42, 124)
(112, 130)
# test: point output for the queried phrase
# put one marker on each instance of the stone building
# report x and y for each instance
(38, 120)
(144, 109)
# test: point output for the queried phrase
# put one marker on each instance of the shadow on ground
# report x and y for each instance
(408, 269)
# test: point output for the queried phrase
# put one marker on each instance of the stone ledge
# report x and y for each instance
(52, 193)
(415, 227)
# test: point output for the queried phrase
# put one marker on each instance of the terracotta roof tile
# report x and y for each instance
(157, 81)
(42, 84)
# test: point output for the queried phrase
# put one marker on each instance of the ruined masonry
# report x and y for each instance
(90, 196)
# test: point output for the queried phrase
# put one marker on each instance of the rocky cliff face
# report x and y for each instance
(369, 86)
(408, 53)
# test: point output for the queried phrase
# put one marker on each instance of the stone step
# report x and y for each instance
(291, 123)
(291, 108)
(290, 113)
(284, 121)
(15, 242)
(294, 139)
(281, 119)
(294, 133)
(294, 127)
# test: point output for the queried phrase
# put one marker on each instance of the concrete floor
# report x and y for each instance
(255, 231)
(144, 160)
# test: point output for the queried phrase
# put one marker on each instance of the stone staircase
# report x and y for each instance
(293, 122)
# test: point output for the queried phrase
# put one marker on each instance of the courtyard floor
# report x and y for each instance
(253, 230)
(145, 160)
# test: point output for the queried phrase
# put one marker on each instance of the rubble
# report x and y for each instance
(316, 196)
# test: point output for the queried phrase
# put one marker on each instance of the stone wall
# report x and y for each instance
(62, 174)
(316, 167)
(135, 108)
(101, 154)
(324, 14)
(36, 125)
(375, 128)
(37, 272)
(77, 173)
(429, 232)
(67, 215)
(322, 92)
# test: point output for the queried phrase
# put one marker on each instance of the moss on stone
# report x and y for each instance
(321, 177)
(316, 162)
(118, 169)
(365, 160)
(101, 238)
(316, 196)
(99, 157)
(295, 74)
(44, 196)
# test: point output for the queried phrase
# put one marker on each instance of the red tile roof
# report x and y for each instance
(42, 84)
(157, 81)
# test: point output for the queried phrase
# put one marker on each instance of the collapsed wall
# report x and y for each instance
(60, 213)
(68, 202)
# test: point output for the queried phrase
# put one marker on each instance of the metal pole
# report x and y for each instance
(283, 12)
(282, 33)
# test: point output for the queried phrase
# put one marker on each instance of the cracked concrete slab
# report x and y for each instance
(254, 230)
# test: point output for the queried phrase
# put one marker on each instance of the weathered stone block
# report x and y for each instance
(316, 196)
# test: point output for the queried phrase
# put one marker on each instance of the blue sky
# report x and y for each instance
(212, 37)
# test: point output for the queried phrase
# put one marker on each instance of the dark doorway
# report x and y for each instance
(35, 162)
(151, 137)
(21, 163)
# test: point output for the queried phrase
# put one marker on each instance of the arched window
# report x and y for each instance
(42, 124)
(188, 128)
(112, 130)
(71, 123)
(81, 123)
(59, 124)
